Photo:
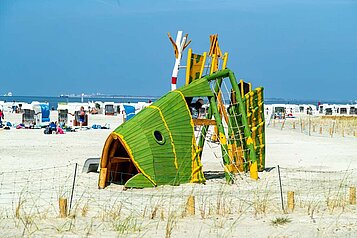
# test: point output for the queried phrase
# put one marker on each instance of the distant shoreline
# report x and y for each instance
(55, 100)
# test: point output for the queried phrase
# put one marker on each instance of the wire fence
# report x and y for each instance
(321, 126)
(36, 193)
(34, 190)
(320, 189)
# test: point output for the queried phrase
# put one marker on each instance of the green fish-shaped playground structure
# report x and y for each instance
(158, 146)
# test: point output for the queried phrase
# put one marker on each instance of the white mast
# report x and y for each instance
(179, 46)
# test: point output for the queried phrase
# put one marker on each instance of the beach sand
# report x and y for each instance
(37, 169)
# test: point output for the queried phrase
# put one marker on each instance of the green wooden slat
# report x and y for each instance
(198, 88)
(139, 181)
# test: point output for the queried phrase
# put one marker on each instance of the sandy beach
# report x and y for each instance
(240, 119)
(37, 169)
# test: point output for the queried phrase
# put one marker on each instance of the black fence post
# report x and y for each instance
(74, 182)
(281, 190)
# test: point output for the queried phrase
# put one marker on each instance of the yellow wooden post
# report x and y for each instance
(102, 178)
(332, 203)
(282, 125)
(63, 207)
(331, 132)
(190, 205)
(353, 195)
(291, 201)
(300, 125)
(188, 66)
(294, 125)
(320, 130)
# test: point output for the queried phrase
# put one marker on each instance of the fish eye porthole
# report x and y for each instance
(160, 139)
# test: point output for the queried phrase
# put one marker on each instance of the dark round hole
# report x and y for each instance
(159, 137)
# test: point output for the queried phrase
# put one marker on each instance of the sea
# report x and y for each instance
(54, 100)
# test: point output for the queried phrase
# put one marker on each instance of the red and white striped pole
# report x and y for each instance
(180, 44)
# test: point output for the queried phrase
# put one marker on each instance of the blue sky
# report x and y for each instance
(295, 49)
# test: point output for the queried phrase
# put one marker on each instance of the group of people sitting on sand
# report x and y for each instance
(1, 117)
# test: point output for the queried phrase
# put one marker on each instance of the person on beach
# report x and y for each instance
(82, 115)
(197, 106)
(1, 117)
(14, 107)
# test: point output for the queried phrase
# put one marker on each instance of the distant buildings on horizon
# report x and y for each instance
(100, 95)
